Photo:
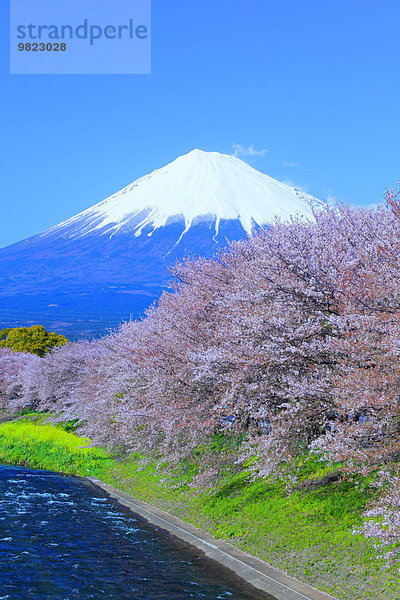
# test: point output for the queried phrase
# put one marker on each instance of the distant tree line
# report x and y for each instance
(35, 339)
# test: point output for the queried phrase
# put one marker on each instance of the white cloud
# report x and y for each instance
(239, 150)
(375, 205)
(332, 200)
(290, 164)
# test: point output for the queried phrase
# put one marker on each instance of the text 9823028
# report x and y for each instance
(42, 47)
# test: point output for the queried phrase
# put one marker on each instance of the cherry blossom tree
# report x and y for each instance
(290, 339)
(14, 368)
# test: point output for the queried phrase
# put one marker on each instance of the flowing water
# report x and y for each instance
(61, 538)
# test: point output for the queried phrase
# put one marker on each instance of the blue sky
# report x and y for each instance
(316, 83)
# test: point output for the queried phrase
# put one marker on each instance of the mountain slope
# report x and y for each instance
(111, 261)
(194, 186)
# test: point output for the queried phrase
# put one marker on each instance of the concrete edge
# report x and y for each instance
(254, 571)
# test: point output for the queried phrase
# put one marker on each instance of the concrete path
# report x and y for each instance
(253, 570)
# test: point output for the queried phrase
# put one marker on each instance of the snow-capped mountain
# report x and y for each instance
(110, 262)
(197, 186)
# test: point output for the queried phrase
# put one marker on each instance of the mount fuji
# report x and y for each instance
(110, 262)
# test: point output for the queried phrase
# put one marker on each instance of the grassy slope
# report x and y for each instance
(308, 534)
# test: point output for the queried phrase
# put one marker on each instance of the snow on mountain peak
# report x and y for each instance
(195, 186)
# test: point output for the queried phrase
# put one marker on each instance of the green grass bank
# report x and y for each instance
(307, 534)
